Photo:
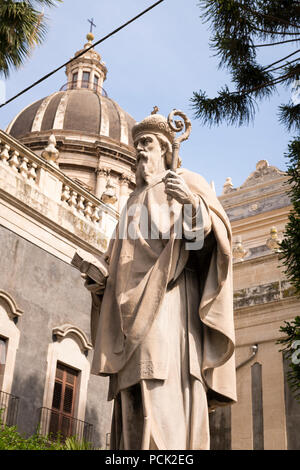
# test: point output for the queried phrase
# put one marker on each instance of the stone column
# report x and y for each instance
(124, 190)
(79, 78)
(102, 175)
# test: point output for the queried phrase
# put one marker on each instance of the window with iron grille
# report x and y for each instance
(74, 80)
(85, 79)
(96, 82)
(3, 348)
(63, 402)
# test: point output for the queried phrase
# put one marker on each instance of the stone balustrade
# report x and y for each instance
(43, 187)
(19, 163)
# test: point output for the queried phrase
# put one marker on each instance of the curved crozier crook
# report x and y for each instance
(178, 126)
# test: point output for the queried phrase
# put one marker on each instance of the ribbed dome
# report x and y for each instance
(79, 110)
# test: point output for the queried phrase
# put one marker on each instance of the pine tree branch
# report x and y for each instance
(277, 61)
(289, 116)
(284, 65)
(275, 43)
(269, 17)
(283, 33)
(276, 81)
(232, 107)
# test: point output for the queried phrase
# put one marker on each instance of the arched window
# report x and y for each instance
(96, 82)
(65, 395)
(85, 79)
(9, 343)
(9, 339)
(74, 80)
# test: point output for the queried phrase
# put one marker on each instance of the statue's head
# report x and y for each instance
(156, 128)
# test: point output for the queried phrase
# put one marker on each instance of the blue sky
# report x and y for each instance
(158, 60)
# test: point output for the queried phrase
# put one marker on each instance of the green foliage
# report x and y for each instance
(71, 443)
(292, 331)
(22, 27)
(11, 439)
(239, 30)
(290, 246)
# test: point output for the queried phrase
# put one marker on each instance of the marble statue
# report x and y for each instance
(162, 321)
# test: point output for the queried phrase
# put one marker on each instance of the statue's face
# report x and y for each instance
(148, 156)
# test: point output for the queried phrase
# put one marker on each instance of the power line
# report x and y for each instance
(82, 52)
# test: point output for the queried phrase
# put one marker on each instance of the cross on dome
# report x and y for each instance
(92, 24)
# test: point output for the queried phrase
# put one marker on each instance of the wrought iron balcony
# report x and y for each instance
(9, 405)
(54, 424)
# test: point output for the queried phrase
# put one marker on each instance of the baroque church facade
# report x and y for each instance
(66, 170)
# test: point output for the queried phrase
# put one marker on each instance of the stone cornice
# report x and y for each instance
(84, 143)
(232, 199)
(264, 219)
(260, 309)
(249, 321)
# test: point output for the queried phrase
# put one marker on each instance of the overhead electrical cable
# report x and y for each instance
(81, 53)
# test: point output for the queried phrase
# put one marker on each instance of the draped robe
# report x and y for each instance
(163, 331)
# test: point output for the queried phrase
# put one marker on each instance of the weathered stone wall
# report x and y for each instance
(51, 293)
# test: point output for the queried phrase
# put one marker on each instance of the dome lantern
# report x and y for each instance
(87, 71)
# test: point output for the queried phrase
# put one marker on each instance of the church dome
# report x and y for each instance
(79, 110)
(92, 132)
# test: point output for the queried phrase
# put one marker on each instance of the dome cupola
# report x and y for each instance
(92, 132)
(86, 71)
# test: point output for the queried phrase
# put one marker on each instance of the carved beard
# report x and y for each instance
(148, 165)
(144, 170)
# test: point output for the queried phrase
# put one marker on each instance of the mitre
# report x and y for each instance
(154, 124)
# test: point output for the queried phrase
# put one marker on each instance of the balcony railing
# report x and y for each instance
(77, 84)
(65, 196)
(8, 409)
(55, 423)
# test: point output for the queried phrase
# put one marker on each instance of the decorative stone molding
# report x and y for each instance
(10, 331)
(103, 172)
(264, 172)
(124, 179)
(273, 243)
(238, 251)
(70, 350)
(109, 196)
(14, 311)
(228, 186)
(51, 153)
(68, 329)
(263, 294)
